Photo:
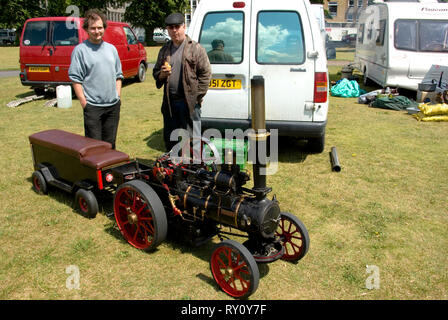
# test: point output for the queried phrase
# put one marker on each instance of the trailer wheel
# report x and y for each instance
(39, 183)
(140, 215)
(294, 236)
(234, 269)
(86, 202)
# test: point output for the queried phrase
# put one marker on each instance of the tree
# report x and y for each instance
(14, 13)
(150, 14)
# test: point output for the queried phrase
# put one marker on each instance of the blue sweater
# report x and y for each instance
(97, 67)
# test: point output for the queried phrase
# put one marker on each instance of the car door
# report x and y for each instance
(228, 94)
(283, 55)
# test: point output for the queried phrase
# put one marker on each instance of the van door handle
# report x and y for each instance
(129, 48)
(230, 75)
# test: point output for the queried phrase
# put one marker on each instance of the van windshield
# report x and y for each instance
(37, 33)
(421, 35)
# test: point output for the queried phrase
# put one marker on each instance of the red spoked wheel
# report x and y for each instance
(294, 236)
(140, 215)
(234, 269)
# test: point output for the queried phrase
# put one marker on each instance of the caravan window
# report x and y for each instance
(422, 35)
(405, 32)
(280, 38)
(222, 37)
(433, 36)
(381, 33)
(361, 33)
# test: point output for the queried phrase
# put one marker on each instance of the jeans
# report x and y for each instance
(101, 123)
(180, 120)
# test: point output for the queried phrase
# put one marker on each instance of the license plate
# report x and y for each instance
(225, 84)
(38, 69)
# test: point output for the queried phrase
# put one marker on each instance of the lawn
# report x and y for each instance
(387, 208)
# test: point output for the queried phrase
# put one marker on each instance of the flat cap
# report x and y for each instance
(174, 18)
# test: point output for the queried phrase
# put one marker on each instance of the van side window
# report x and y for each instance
(279, 38)
(222, 37)
(35, 33)
(405, 32)
(64, 35)
(130, 36)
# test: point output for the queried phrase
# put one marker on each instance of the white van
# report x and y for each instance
(398, 42)
(279, 40)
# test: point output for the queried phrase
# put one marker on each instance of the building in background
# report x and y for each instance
(344, 15)
(344, 10)
(190, 12)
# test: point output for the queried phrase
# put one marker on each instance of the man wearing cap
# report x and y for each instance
(183, 69)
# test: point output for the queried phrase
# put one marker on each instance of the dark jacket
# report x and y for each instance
(195, 76)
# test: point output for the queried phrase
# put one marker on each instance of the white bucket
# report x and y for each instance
(64, 96)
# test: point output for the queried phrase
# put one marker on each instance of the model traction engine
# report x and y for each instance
(197, 201)
(192, 201)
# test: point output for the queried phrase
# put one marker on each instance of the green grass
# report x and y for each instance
(345, 54)
(9, 58)
(387, 207)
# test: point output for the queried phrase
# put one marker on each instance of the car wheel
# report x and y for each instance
(141, 75)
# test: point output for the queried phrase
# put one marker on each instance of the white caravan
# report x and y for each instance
(318, 10)
(399, 41)
(278, 40)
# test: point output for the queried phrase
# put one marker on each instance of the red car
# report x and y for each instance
(349, 38)
(46, 45)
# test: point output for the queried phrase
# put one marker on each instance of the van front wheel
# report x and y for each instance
(141, 76)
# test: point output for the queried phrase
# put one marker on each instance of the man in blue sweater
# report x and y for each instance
(96, 74)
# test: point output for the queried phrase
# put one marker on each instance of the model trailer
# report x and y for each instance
(193, 201)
